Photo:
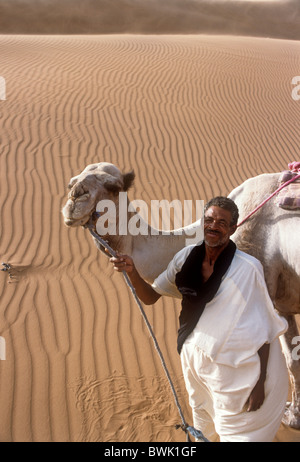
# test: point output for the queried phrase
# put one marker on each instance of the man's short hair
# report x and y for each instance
(226, 204)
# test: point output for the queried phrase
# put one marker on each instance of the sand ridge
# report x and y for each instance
(194, 116)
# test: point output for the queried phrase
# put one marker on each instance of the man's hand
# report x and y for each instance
(257, 396)
(123, 263)
(144, 291)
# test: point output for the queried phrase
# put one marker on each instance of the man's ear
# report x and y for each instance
(233, 229)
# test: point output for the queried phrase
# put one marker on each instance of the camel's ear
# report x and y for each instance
(128, 179)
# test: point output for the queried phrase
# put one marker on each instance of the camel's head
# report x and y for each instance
(95, 182)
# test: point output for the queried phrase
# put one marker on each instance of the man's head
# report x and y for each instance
(220, 221)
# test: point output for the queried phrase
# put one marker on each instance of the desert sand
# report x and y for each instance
(194, 116)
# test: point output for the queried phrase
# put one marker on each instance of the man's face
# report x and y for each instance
(217, 226)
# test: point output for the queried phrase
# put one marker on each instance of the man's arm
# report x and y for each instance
(257, 395)
(144, 291)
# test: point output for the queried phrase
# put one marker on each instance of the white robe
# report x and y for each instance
(220, 358)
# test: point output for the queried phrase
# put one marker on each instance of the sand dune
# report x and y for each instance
(265, 18)
(194, 116)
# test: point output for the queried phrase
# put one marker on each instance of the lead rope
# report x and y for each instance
(184, 426)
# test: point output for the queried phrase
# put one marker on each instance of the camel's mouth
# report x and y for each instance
(72, 222)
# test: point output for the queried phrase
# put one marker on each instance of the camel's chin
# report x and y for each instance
(72, 222)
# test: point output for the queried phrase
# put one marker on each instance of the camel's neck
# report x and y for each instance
(129, 233)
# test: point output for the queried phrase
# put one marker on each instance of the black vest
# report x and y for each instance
(196, 293)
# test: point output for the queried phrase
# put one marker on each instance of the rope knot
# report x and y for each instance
(295, 167)
(197, 434)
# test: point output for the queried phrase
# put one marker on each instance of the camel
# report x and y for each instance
(103, 182)
(270, 235)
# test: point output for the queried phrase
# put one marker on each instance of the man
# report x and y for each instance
(233, 367)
